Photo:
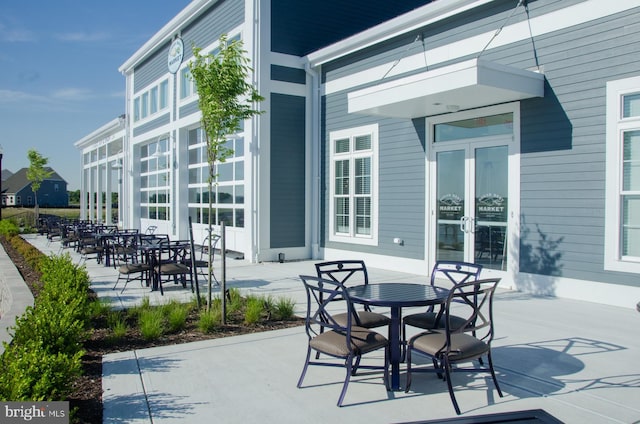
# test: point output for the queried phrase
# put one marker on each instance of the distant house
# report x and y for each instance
(16, 191)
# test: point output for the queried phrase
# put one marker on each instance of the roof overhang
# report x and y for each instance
(465, 85)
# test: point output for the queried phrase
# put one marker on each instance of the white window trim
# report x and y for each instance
(616, 125)
(371, 240)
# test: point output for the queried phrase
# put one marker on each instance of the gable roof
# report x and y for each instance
(19, 180)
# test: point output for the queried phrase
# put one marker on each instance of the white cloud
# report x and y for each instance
(12, 35)
(83, 37)
(12, 96)
(73, 94)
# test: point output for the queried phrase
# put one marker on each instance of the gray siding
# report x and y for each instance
(562, 137)
(287, 171)
(189, 109)
(156, 123)
(563, 141)
(220, 18)
(401, 170)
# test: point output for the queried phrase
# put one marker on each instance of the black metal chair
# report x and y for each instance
(459, 342)
(326, 335)
(350, 273)
(444, 274)
(201, 263)
(174, 263)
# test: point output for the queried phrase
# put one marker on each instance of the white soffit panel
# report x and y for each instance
(466, 85)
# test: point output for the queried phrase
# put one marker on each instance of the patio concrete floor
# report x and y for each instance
(576, 360)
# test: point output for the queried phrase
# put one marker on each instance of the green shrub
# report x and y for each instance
(254, 310)
(99, 307)
(30, 373)
(283, 309)
(176, 314)
(8, 228)
(151, 323)
(117, 325)
(209, 320)
(236, 302)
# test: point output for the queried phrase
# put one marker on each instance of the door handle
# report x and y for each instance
(463, 224)
(468, 224)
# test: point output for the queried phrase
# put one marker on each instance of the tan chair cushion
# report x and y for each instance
(367, 319)
(133, 268)
(463, 346)
(335, 344)
(173, 268)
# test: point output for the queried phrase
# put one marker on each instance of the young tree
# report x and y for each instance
(36, 174)
(226, 98)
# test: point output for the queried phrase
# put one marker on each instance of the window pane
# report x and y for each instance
(225, 172)
(239, 194)
(185, 83)
(342, 177)
(144, 104)
(631, 226)
(195, 136)
(475, 127)
(154, 100)
(631, 105)
(164, 94)
(226, 216)
(631, 161)
(342, 145)
(239, 149)
(363, 176)
(239, 171)
(342, 215)
(225, 194)
(363, 215)
(363, 142)
(136, 109)
(240, 218)
(194, 195)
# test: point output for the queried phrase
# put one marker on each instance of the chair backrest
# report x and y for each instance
(347, 272)
(321, 293)
(473, 302)
(453, 272)
(204, 247)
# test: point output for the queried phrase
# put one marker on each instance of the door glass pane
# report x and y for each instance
(450, 192)
(475, 127)
(491, 200)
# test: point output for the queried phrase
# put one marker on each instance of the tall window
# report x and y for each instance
(353, 159)
(185, 83)
(227, 197)
(153, 107)
(155, 180)
(164, 94)
(622, 224)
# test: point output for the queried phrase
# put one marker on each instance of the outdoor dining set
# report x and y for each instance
(150, 258)
(455, 328)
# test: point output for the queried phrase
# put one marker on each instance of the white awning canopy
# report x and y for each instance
(464, 85)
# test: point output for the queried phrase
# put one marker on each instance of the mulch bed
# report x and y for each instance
(86, 398)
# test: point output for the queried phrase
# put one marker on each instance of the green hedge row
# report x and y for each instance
(45, 354)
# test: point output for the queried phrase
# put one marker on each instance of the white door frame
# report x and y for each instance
(513, 228)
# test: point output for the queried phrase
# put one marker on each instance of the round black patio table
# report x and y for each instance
(396, 296)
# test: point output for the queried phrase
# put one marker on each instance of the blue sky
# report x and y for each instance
(59, 78)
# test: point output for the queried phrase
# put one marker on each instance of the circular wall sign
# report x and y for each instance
(175, 55)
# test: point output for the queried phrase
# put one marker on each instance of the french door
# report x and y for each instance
(470, 200)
